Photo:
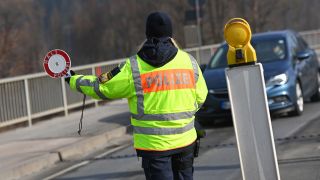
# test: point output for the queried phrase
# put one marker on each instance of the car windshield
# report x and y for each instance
(266, 50)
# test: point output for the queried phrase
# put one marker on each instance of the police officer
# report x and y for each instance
(164, 87)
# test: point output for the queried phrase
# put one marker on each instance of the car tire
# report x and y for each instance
(299, 104)
(316, 96)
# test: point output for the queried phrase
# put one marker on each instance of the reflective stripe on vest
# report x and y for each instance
(166, 117)
(94, 84)
(163, 131)
(195, 68)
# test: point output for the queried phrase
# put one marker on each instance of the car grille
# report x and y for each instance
(222, 94)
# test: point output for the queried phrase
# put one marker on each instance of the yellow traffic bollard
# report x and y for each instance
(237, 33)
(249, 105)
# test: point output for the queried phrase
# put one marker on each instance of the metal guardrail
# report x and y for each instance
(32, 96)
(312, 37)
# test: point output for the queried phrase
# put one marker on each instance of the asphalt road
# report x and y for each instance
(297, 145)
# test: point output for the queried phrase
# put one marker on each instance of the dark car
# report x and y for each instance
(291, 73)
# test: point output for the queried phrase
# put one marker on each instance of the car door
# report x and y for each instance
(299, 65)
(309, 67)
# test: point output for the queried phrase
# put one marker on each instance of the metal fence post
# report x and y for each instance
(64, 96)
(198, 55)
(26, 87)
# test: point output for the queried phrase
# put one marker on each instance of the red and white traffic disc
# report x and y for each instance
(56, 63)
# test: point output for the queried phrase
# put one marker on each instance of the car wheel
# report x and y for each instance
(316, 97)
(298, 105)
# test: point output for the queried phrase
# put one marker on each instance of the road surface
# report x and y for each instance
(297, 145)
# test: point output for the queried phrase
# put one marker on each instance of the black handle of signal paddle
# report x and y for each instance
(80, 122)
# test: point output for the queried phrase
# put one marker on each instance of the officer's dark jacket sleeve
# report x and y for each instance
(115, 84)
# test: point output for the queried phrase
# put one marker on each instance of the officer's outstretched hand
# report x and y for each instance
(68, 76)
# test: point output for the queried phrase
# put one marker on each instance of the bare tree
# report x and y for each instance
(99, 30)
(20, 37)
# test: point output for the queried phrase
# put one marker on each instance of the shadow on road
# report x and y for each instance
(121, 118)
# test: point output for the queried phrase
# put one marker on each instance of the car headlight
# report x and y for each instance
(278, 80)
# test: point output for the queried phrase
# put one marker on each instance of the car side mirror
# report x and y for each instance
(303, 55)
(203, 67)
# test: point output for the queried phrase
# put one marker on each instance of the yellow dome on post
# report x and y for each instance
(237, 32)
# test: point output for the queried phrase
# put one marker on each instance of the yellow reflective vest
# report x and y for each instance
(162, 100)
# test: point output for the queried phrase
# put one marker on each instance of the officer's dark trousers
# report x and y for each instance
(175, 167)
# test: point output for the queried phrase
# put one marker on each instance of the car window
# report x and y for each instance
(302, 45)
(219, 58)
(266, 50)
(270, 49)
(293, 44)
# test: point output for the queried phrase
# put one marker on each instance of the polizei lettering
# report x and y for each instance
(167, 80)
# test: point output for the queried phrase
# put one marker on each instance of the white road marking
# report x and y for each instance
(83, 163)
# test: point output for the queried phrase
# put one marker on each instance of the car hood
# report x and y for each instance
(274, 68)
(215, 78)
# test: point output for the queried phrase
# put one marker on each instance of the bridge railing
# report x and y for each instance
(25, 98)
(312, 38)
(32, 96)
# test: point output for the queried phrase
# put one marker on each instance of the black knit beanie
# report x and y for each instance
(158, 25)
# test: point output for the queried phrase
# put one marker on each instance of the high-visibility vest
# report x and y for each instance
(162, 100)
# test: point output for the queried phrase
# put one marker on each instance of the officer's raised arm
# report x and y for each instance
(111, 85)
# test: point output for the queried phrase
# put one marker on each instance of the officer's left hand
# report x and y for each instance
(68, 76)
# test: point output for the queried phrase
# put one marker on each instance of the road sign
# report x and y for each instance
(252, 123)
(56, 63)
(249, 106)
